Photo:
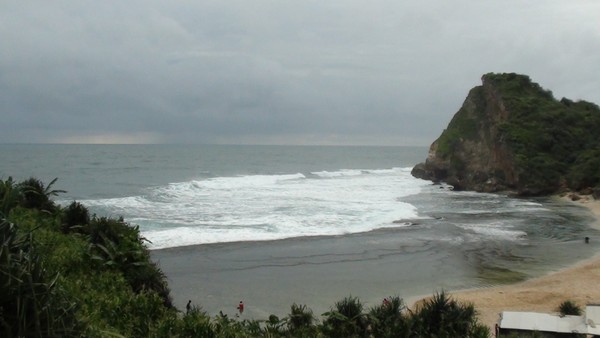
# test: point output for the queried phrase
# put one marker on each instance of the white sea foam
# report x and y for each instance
(268, 207)
(330, 174)
(494, 230)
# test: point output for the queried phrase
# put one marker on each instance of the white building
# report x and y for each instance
(553, 325)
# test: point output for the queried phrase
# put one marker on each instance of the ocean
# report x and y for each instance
(186, 195)
(351, 217)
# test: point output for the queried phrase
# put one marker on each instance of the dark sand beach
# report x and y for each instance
(270, 276)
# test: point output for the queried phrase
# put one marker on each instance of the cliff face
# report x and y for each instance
(471, 154)
(508, 136)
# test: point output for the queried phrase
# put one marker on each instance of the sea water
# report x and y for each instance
(183, 195)
(186, 195)
(312, 208)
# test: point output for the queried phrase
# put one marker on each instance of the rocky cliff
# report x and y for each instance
(512, 135)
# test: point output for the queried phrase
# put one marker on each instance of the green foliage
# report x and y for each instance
(300, 321)
(585, 172)
(105, 270)
(196, 323)
(35, 195)
(346, 319)
(553, 144)
(31, 303)
(462, 127)
(273, 327)
(389, 319)
(551, 139)
(230, 328)
(76, 214)
(62, 253)
(10, 196)
(115, 244)
(569, 307)
(442, 316)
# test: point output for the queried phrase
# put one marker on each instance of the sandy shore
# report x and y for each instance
(578, 283)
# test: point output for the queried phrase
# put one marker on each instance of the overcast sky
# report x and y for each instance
(276, 72)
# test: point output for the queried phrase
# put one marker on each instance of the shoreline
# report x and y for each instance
(269, 276)
(577, 282)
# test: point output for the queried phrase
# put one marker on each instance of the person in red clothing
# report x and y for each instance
(241, 307)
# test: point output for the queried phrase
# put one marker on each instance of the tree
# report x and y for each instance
(76, 214)
(442, 316)
(10, 195)
(389, 319)
(346, 319)
(37, 196)
(300, 321)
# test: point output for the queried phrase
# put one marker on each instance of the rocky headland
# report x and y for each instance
(511, 135)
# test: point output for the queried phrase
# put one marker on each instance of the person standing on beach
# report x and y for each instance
(188, 307)
(240, 307)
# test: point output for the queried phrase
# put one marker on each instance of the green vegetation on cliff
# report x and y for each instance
(511, 134)
(461, 127)
(554, 142)
(65, 273)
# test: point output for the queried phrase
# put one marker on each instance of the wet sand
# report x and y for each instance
(544, 294)
(270, 276)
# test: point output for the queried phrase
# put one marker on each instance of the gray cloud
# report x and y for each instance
(302, 72)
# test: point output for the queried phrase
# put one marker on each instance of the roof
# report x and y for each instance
(592, 318)
(533, 321)
(592, 312)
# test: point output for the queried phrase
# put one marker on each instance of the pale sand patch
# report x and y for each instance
(544, 294)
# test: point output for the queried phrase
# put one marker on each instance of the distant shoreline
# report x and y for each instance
(543, 294)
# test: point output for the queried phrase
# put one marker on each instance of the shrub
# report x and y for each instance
(76, 214)
(31, 303)
(196, 323)
(300, 321)
(569, 307)
(114, 244)
(442, 316)
(389, 320)
(10, 196)
(35, 195)
(346, 319)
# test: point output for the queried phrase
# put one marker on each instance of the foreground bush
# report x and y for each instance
(390, 319)
(346, 319)
(442, 316)
(569, 307)
(32, 304)
(300, 321)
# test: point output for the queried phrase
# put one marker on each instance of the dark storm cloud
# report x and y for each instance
(336, 72)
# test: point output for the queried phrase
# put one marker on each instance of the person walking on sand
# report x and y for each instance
(240, 307)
